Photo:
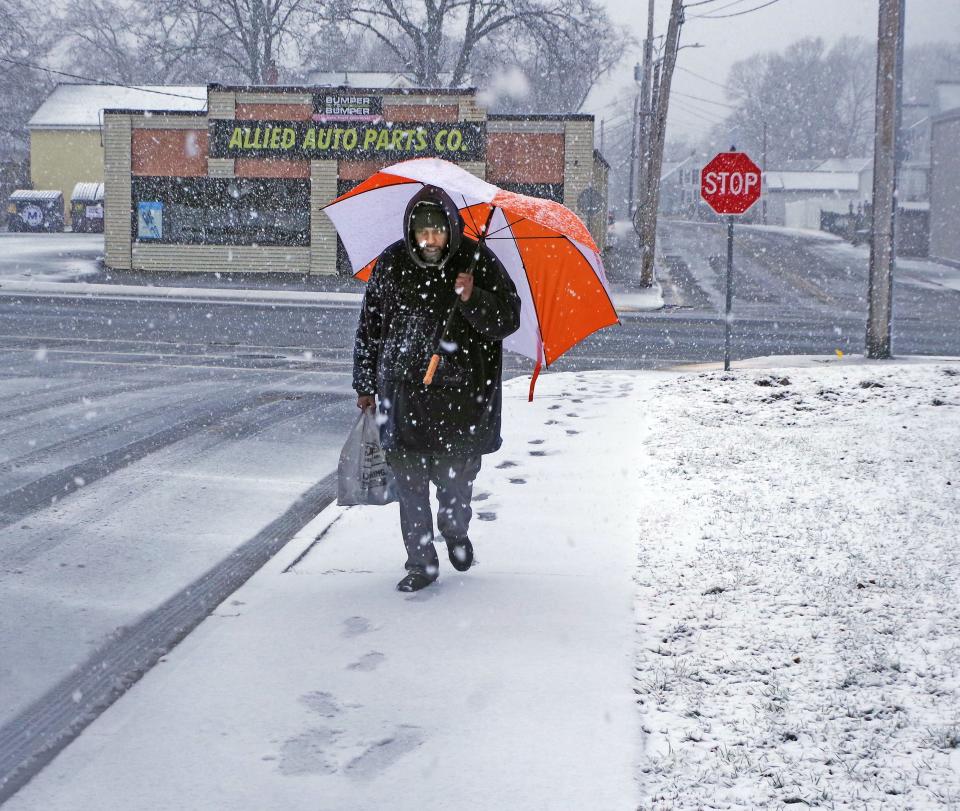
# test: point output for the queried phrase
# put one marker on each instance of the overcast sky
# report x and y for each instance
(728, 40)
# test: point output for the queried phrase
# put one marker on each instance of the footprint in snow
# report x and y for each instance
(536, 442)
(487, 516)
(555, 406)
(321, 703)
(354, 626)
(368, 662)
(518, 481)
(572, 432)
(307, 753)
(537, 453)
(381, 755)
(505, 464)
(481, 497)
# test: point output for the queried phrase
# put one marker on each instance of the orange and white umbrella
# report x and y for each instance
(544, 246)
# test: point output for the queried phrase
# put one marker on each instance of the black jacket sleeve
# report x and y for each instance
(493, 309)
(366, 346)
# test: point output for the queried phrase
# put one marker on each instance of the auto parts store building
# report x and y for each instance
(240, 187)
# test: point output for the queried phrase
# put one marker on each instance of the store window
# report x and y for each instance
(221, 211)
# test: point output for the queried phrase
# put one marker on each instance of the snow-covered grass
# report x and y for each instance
(696, 590)
(798, 590)
(808, 233)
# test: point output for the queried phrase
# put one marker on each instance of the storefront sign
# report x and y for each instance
(332, 107)
(303, 140)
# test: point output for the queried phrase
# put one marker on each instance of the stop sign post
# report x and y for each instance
(730, 184)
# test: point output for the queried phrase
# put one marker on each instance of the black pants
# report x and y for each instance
(453, 476)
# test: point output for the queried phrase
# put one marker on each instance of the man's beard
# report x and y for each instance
(431, 255)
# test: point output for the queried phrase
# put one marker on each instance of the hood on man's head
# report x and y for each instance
(431, 207)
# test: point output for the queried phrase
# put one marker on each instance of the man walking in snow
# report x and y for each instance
(435, 432)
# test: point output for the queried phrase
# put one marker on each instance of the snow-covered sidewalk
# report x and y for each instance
(694, 590)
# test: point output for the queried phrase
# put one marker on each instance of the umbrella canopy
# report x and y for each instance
(545, 247)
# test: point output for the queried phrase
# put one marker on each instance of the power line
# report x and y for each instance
(686, 111)
(702, 114)
(735, 14)
(707, 115)
(706, 2)
(710, 11)
(98, 81)
(711, 81)
(708, 101)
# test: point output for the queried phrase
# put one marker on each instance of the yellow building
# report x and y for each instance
(66, 131)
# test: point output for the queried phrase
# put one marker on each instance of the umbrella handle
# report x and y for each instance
(431, 370)
(435, 358)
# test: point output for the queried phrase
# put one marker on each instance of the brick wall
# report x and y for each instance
(169, 152)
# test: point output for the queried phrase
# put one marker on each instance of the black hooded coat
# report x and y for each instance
(404, 310)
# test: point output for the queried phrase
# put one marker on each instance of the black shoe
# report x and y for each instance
(415, 580)
(461, 554)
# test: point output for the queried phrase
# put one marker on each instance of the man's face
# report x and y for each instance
(431, 242)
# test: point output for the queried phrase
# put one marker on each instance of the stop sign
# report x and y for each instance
(730, 183)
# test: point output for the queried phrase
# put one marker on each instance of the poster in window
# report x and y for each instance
(150, 221)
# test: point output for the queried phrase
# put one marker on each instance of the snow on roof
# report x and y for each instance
(844, 165)
(81, 106)
(36, 194)
(812, 181)
(798, 165)
(87, 191)
(948, 96)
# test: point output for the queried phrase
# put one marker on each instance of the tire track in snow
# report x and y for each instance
(17, 504)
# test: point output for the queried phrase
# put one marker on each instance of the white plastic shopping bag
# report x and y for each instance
(363, 474)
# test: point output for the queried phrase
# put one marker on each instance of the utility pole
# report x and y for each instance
(633, 158)
(900, 145)
(880, 291)
(646, 220)
(646, 110)
(763, 167)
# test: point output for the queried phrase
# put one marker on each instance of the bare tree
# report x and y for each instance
(333, 47)
(561, 57)
(158, 43)
(24, 42)
(436, 41)
(816, 103)
(249, 36)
